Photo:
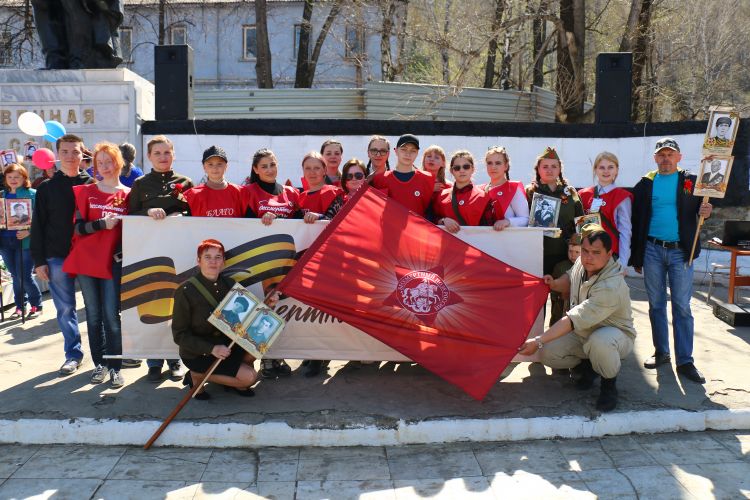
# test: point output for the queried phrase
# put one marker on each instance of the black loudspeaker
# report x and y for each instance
(614, 83)
(173, 82)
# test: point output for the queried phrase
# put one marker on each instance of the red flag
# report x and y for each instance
(453, 309)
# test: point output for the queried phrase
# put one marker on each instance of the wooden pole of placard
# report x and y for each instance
(197, 386)
(697, 234)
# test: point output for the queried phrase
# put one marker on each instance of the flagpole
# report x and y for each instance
(697, 233)
(197, 386)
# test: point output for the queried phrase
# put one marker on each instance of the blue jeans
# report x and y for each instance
(102, 300)
(10, 249)
(659, 266)
(63, 289)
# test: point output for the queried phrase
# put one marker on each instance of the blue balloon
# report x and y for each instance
(55, 130)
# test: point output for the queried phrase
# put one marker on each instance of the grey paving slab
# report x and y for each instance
(277, 490)
(207, 490)
(278, 464)
(61, 462)
(432, 462)
(470, 488)
(686, 448)
(585, 454)
(727, 480)
(13, 456)
(548, 485)
(608, 483)
(655, 482)
(163, 464)
(376, 489)
(351, 463)
(529, 456)
(130, 489)
(737, 442)
(240, 466)
(58, 489)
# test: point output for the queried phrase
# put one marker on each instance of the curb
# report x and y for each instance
(235, 435)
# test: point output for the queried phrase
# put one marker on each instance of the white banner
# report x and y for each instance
(158, 255)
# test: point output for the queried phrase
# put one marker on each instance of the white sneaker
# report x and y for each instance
(70, 366)
(98, 375)
(116, 379)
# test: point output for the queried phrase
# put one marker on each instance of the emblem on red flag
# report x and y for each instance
(423, 293)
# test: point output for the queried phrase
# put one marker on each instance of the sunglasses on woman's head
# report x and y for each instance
(357, 175)
(465, 166)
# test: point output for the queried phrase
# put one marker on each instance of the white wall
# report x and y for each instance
(635, 153)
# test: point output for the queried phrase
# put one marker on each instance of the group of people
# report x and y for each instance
(651, 228)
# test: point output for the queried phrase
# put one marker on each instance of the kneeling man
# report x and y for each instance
(597, 332)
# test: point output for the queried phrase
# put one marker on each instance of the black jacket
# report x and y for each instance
(52, 224)
(687, 215)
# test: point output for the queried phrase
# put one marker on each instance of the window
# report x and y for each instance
(6, 56)
(249, 42)
(178, 35)
(126, 44)
(295, 42)
(354, 42)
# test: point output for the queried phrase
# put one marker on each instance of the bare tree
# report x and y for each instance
(263, 57)
(539, 33)
(637, 39)
(570, 83)
(489, 66)
(307, 61)
(18, 34)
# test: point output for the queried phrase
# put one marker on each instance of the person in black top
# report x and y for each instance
(51, 234)
(200, 342)
(159, 194)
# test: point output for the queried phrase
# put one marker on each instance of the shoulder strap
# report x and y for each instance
(454, 203)
(202, 289)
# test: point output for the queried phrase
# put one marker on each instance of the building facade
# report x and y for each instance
(222, 34)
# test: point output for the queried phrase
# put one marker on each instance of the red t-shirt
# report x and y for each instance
(284, 204)
(415, 194)
(207, 202)
(319, 201)
(91, 254)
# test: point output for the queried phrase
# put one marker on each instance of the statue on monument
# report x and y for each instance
(77, 34)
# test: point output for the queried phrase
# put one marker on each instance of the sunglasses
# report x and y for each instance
(465, 166)
(357, 175)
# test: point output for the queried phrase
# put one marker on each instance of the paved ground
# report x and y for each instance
(685, 465)
(352, 394)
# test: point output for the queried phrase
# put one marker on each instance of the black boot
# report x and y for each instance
(584, 375)
(607, 400)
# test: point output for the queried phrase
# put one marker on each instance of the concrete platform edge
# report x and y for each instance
(234, 435)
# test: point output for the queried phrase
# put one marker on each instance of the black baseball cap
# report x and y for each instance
(666, 142)
(215, 151)
(407, 139)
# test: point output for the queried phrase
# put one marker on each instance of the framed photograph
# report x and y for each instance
(263, 330)
(235, 308)
(18, 213)
(581, 221)
(723, 123)
(244, 318)
(8, 156)
(3, 222)
(713, 177)
(29, 148)
(545, 211)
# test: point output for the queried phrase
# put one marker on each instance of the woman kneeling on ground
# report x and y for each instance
(200, 342)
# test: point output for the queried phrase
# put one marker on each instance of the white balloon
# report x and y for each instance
(32, 124)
